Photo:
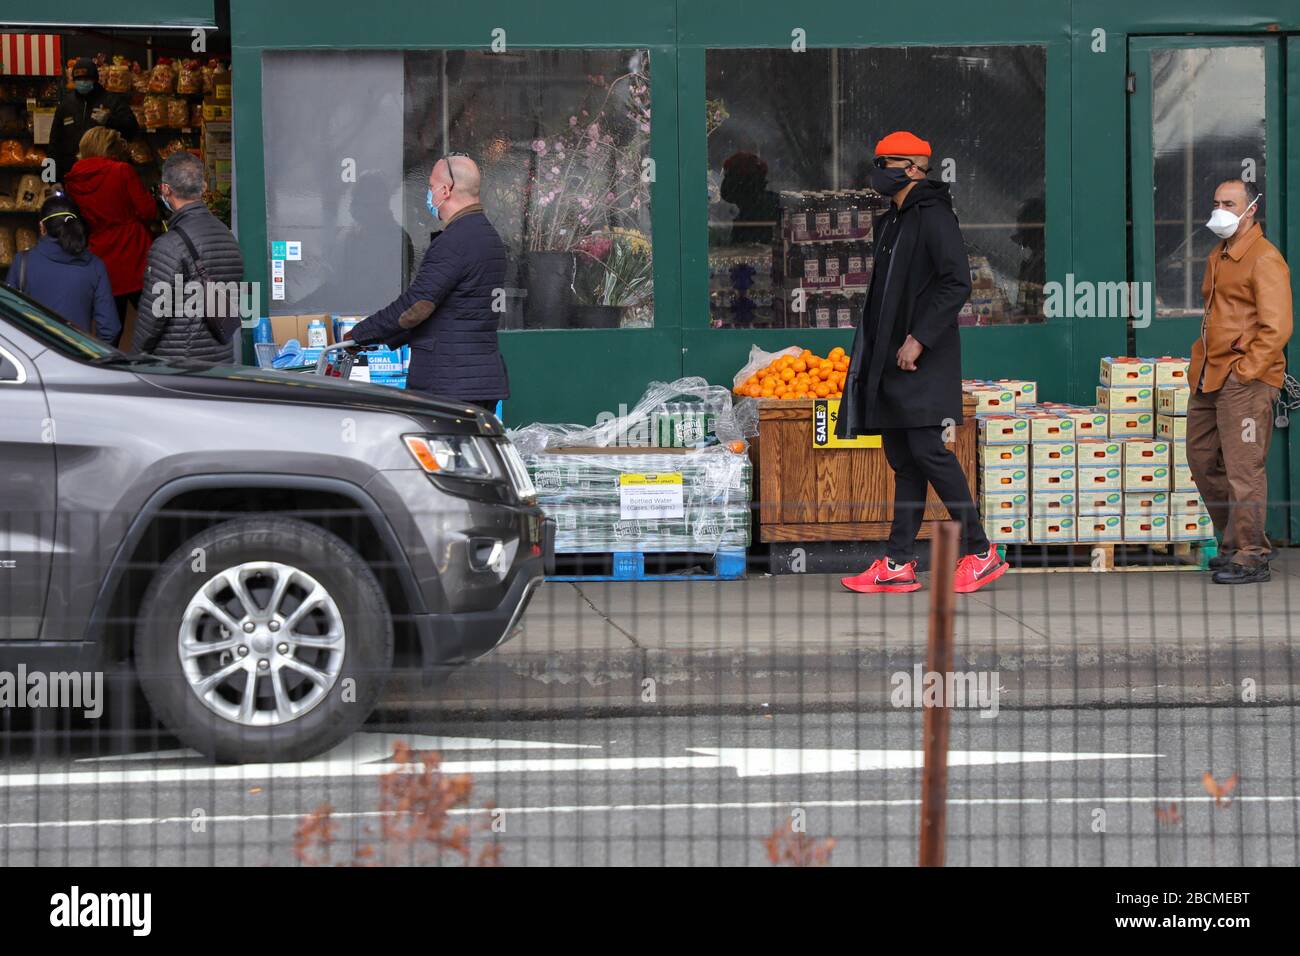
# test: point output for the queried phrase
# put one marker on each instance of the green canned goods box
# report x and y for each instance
(714, 475)
(595, 528)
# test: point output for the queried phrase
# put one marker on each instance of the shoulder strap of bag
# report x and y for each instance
(218, 328)
(22, 274)
(194, 252)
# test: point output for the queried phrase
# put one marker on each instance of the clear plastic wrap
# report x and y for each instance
(686, 413)
(597, 497)
(584, 493)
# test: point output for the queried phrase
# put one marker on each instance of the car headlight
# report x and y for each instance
(518, 471)
(458, 456)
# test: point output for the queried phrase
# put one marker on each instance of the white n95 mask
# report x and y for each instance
(1224, 224)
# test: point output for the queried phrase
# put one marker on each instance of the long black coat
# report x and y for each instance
(446, 314)
(924, 287)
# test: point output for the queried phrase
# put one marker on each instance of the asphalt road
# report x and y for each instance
(701, 790)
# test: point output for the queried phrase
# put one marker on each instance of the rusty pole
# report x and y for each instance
(934, 777)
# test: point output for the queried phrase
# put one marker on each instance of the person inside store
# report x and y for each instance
(83, 108)
(117, 208)
(744, 184)
(62, 274)
(357, 252)
(1238, 367)
(197, 247)
(446, 314)
(904, 378)
(1028, 235)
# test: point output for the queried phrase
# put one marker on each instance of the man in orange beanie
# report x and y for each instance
(904, 380)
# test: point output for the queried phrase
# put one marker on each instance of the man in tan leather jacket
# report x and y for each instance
(1237, 370)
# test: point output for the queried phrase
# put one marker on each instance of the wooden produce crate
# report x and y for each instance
(832, 494)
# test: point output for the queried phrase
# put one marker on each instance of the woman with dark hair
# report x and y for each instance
(63, 275)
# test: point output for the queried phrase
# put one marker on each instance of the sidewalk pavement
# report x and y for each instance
(801, 641)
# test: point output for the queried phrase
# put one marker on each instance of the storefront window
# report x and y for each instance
(1207, 126)
(791, 138)
(562, 138)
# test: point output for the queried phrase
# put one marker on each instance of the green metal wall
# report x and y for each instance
(571, 375)
(101, 13)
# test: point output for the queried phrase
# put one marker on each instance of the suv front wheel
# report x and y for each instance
(263, 639)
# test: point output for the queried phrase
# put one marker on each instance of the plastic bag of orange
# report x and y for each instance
(759, 360)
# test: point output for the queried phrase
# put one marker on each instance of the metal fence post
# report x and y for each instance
(934, 778)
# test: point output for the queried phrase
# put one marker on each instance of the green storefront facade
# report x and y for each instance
(1100, 59)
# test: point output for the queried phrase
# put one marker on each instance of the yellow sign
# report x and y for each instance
(651, 495)
(826, 412)
(669, 478)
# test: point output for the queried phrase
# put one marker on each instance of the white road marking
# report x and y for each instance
(238, 818)
(364, 747)
(769, 762)
(747, 762)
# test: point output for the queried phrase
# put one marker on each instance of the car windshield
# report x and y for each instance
(47, 328)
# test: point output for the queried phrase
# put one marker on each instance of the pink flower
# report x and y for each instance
(539, 147)
(573, 121)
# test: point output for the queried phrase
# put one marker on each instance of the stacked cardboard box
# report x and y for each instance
(1188, 518)
(1116, 471)
(1004, 455)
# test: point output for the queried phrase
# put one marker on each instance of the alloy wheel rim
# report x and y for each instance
(261, 643)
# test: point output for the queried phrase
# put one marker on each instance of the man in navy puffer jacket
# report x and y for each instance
(446, 313)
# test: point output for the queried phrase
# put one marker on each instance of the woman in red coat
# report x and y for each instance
(116, 207)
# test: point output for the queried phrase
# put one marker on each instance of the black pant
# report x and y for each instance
(918, 457)
(122, 301)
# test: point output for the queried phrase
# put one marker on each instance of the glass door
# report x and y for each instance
(1204, 109)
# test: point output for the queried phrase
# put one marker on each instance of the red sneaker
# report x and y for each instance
(881, 577)
(973, 571)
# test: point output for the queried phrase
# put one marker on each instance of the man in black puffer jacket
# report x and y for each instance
(446, 314)
(170, 322)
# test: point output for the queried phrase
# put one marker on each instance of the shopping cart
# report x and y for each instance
(334, 361)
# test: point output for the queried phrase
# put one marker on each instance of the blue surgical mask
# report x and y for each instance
(428, 201)
(84, 86)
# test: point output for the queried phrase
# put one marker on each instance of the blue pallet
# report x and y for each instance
(728, 565)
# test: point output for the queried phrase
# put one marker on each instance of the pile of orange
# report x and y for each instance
(799, 376)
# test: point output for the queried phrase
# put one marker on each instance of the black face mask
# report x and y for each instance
(889, 181)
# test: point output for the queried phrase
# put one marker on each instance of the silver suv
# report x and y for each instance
(261, 549)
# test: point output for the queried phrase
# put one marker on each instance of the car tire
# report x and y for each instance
(316, 674)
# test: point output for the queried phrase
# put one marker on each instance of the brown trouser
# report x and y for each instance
(1228, 432)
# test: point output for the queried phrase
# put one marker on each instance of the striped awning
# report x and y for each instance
(31, 54)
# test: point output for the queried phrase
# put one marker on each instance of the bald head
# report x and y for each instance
(454, 183)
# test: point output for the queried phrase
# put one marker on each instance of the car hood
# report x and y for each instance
(268, 385)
